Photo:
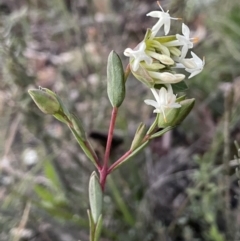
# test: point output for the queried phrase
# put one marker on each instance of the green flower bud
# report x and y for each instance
(171, 115)
(176, 116)
(186, 107)
(45, 100)
(140, 133)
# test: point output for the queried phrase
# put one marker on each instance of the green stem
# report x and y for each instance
(118, 162)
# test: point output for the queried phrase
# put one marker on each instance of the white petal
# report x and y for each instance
(152, 103)
(189, 63)
(194, 73)
(167, 26)
(184, 51)
(185, 30)
(155, 94)
(196, 59)
(127, 52)
(135, 65)
(173, 43)
(155, 14)
(157, 111)
(162, 96)
(175, 105)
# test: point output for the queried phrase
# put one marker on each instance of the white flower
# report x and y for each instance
(183, 40)
(192, 65)
(137, 55)
(164, 19)
(165, 99)
(196, 65)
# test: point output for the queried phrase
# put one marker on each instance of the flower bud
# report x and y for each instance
(187, 106)
(170, 116)
(176, 116)
(140, 133)
(46, 100)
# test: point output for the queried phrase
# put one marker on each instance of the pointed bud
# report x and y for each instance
(187, 106)
(171, 115)
(140, 133)
(46, 100)
(176, 116)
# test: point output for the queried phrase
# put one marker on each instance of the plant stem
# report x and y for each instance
(129, 152)
(104, 171)
(122, 158)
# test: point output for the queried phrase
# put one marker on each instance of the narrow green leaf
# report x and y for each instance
(95, 197)
(85, 145)
(160, 133)
(98, 228)
(44, 194)
(153, 126)
(77, 125)
(91, 225)
(51, 174)
(115, 80)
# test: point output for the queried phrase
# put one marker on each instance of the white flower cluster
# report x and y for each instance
(155, 60)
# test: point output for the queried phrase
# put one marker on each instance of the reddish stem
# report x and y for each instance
(121, 159)
(111, 168)
(103, 171)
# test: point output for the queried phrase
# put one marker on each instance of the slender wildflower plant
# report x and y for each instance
(155, 62)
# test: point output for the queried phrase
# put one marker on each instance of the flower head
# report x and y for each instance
(164, 20)
(165, 99)
(155, 59)
(137, 55)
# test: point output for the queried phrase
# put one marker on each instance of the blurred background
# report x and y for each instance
(182, 187)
